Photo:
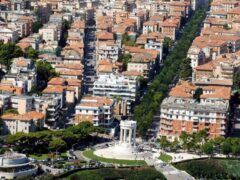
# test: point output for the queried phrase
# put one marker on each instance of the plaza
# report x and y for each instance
(126, 148)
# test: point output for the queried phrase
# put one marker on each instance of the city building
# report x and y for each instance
(97, 110)
(190, 111)
(117, 86)
(14, 165)
(28, 122)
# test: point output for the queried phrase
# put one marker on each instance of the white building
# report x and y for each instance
(49, 33)
(7, 34)
(13, 165)
(108, 51)
(28, 122)
(22, 74)
(117, 86)
(98, 110)
(156, 46)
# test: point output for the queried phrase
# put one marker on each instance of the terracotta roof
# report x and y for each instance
(21, 62)
(11, 89)
(78, 24)
(54, 89)
(105, 36)
(186, 90)
(105, 68)
(57, 81)
(150, 23)
(70, 66)
(234, 11)
(71, 72)
(131, 73)
(99, 101)
(23, 45)
(32, 115)
(83, 118)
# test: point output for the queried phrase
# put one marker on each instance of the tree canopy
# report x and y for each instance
(9, 51)
(47, 141)
(44, 73)
(185, 69)
(31, 53)
(145, 111)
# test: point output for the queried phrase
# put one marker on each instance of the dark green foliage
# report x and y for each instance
(11, 111)
(197, 94)
(127, 174)
(9, 51)
(31, 53)
(204, 169)
(36, 26)
(167, 44)
(45, 141)
(226, 148)
(207, 148)
(65, 27)
(124, 58)
(57, 145)
(126, 40)
(185, 69)
(236, 80)
(225, 26)
(150, 103)
(44, 73)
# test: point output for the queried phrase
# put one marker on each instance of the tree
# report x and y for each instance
(164, 143)
(126, 40)
(44, 72)
(185, 69)
(65, 26)
(174, 145)
(125, 59)
(36, 26)
(31, 53)
(226, 26)
(236, 149)
(11, 111)
(226, 148)
(144, 112)
(197, 94)
(9, 51)
(207, 148)
(57, 145)
(167, 44)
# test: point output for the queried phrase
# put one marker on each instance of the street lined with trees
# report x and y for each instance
(145, 111)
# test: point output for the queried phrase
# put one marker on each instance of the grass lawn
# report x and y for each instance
(44, 156)
(89, 154)
(145, 173)
(211, 168)
(165, 157)
(232, 167)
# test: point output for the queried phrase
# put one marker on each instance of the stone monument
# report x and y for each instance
(126, 147)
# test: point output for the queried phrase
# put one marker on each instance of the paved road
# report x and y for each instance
(172, 173)
(89, 59)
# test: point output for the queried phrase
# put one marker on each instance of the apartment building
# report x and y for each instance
(182, 112)
(22, 74)
(143, 63)
(97, 110)
(51, 106)
(219, 71)
(49, 33)
(8, 35)
(119, 87)
(28, 122)
(108, 50)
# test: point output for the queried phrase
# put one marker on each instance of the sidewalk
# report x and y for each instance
(169, 171)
